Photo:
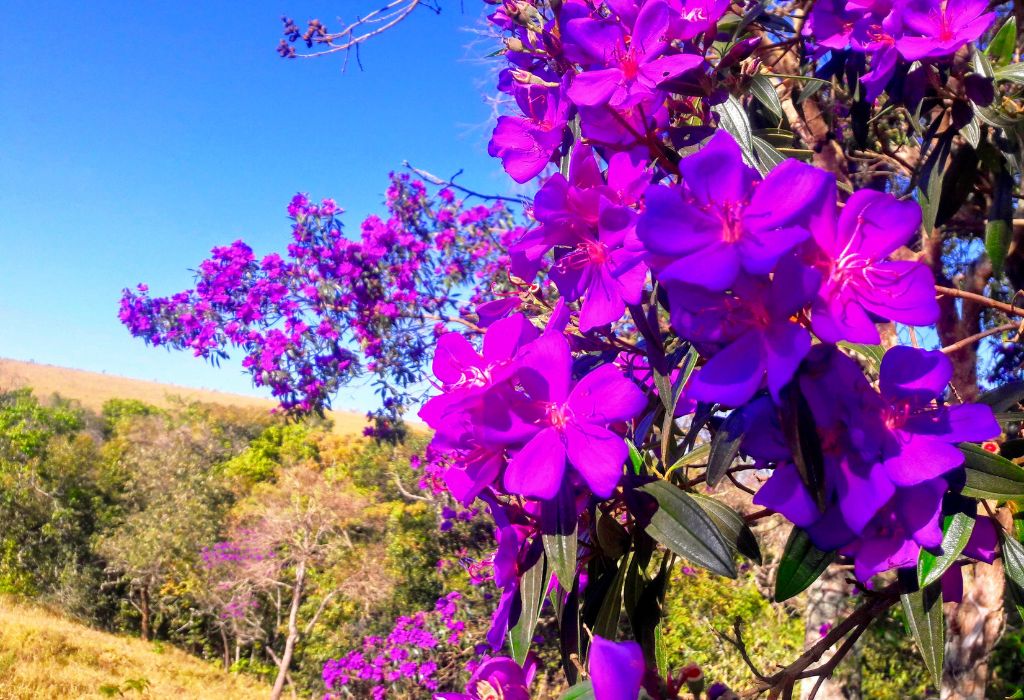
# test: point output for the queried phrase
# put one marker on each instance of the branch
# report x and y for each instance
(980, 299)
(967, 342)
(435, 180)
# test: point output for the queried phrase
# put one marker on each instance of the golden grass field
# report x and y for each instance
(46, 656)
(92, 389)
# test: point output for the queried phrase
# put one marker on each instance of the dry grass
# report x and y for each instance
(92, 389)
(43, 655)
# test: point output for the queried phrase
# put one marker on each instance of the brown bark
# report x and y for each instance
(145, 612)
(293, 632)
(973, 627)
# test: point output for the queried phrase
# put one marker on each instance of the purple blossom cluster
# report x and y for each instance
(408, 658)
(333, 308)
(886, 32)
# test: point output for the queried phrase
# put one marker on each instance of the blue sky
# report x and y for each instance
(136, 136)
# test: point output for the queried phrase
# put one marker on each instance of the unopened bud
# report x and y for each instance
(514, 44)
(527, 78)
(694, 678)
(524, 14)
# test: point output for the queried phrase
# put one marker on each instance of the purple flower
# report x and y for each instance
(859, 282)
(624, 66)
(725, 218)
(525, 144)
(570, 422)
(498, 678)
(616, 669)
(760, 337)
(941, 28)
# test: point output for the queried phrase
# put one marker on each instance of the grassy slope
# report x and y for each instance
(93, 388)
(43, 655)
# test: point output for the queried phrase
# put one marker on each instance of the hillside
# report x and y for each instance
(92, 389)
(43, 655)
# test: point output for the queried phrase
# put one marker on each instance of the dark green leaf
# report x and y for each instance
(801, 435)
(1005, 398)
(733, 119)
(580, 691)
(531, 592)
(1013, 560)
(801, 565)
(725, 447)
(927, 624)
(956, 531)
(981, 64)
(991, 476)
(733, 527)
(762, 88)
(971, 131)
(612, 537)
(683, 526)
(767, 155)
(1000, 49)
(1013, 73)
(607, 623)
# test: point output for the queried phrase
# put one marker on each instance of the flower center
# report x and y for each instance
(588, 252)
(486, 691)
(558, 415)
(731, 215)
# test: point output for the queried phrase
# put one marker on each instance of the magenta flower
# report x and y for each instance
(624, 66)
(570, 422)
(616, 669)
(921, 430)
(762, 338)
(525, 144)
(942, 28)
(725, 219)
(859, 282)
(498, 678)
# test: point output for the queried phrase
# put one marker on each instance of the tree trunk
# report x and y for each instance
(144, 610)
(973, 628)
(824, 606)
(227, 647)
(293, 633)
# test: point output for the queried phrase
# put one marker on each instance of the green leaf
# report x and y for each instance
(607, 622)
(928, 626)
(763, 89)
(930, 196)
(733, 527)
(997, 243)
(981, 64)
(683, 526)
(581, 691)
(991, 476)
(971, 131)
(1005, 398)
(690, 457)
(725, 447)
(956, 531)
(872, 354)
(1013, 560)
(635, 458)
(1013, 73)
(561, 554)
(660, 654)
(612, 537)
(531, 592)
(767, 154)
(733, 119)
(1004, 42)
(801, 565)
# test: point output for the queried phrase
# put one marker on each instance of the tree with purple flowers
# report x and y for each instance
(772, 249)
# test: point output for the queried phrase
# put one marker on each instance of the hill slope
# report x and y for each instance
(43, 655)
(92, 389)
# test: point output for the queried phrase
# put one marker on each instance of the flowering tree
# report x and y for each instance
(770, 244)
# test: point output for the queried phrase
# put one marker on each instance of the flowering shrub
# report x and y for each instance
(419, 650)
(750, 211)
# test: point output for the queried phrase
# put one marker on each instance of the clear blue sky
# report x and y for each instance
(136, 136)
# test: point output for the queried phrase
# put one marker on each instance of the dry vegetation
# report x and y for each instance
(43, 655)
(92, 389)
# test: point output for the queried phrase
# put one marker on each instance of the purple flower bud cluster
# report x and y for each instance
(407, 659)
(333, 308)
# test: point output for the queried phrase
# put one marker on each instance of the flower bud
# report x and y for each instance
(694, 678)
